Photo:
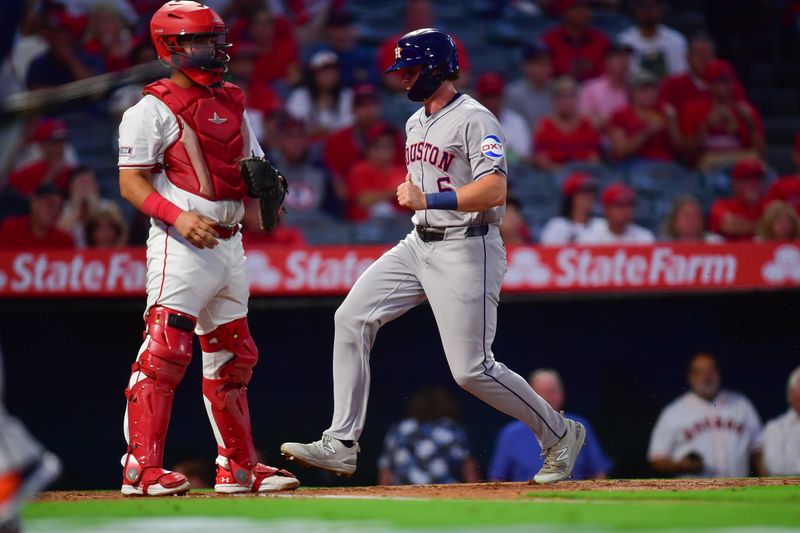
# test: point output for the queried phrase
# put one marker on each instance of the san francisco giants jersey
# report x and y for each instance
(453, 147)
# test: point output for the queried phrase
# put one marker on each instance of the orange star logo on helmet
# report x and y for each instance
(397, 52)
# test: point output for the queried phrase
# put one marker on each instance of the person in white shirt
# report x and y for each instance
(518, 135)
(707, 431)
(579, 191)
(617, 227)
(782, 435)
(657, 49)
(323, 103)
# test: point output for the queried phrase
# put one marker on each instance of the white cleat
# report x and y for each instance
(327, 453)
(560, 459)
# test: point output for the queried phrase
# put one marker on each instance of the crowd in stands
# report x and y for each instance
(594, 116)
(708, 431)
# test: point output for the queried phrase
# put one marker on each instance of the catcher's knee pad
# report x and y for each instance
(227, 393)
(155, 374)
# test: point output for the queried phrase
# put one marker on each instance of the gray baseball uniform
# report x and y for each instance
(460, 276)
(17, 447)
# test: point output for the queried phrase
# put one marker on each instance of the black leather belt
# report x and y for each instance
(438, 234)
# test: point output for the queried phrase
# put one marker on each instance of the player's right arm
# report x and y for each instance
(144, 132)
(136, 189)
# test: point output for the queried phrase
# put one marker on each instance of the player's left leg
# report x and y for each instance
(229, 355)
(463, 287)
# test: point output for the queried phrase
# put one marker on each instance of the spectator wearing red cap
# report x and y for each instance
(617, 226)
(420, 14)
(577, 49)
(686, 223)
(372, 184)
(603, 96)
(322, 102)
(578, 194)
(346, 147)
(38, 229)
(278, 56)
(532, 95)
(517, 133)
(657, 49)
(311, 188)
(566, 136)
(645, 130)
(679, 89)
(720, 129)
(736, 217)
(50, 135)
(787, 188)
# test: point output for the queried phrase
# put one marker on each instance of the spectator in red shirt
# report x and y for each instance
(38, 229)
(566, 136)
(787, 188)
(577, 49)
(779, 223)
(108, 39)
(420, 14)
(736, 217)
(51, 136)
(346, 147)
(644, 130)
(278, 58)
(372, 184)
(720, 129)
(679, 89)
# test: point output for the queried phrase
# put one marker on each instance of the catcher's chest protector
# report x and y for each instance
(204, 159)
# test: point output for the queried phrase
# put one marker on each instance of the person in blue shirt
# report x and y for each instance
(518, 456)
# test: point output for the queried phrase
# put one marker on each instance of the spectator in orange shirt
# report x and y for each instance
(720, 129)
(779, 223)
(38, 229)
(51, 136)
(345, 148)
(420, 14)
(679, 89)
(577, 49)
(787, 188)
(644, 130)
(372, 184)
(566, 136)
(736, 217)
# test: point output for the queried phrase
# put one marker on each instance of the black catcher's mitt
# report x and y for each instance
(266, 183)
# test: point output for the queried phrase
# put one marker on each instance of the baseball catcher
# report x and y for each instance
(180, 151)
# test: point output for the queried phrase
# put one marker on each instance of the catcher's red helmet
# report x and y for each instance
(192, 38)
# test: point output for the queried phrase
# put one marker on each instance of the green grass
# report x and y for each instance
(752, 506)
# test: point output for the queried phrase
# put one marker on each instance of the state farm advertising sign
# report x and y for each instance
(332, 270)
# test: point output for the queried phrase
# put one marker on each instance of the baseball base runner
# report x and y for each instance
(454, 258)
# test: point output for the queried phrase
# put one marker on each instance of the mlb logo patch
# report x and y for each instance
(492, 147)
(125, 151)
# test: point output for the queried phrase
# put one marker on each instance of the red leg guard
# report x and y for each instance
(163, 364)
(227, 394)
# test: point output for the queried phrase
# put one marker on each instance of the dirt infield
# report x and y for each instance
(474, 491)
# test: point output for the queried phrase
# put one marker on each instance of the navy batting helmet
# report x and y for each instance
(435, 52)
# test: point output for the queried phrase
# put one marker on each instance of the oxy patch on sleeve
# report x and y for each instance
(492, 147)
